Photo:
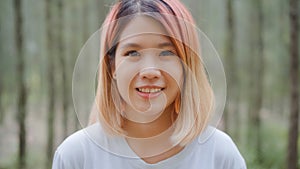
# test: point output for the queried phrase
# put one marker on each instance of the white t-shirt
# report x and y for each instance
(90, 148)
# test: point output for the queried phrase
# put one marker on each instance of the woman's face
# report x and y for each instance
(148, 71)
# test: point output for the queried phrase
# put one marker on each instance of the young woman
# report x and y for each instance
(153, 97)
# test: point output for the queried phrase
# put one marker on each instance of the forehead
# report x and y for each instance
(142, 25)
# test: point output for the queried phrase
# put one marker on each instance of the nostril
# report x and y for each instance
(150, 73)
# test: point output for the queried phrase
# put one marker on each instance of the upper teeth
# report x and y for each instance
(149, 90)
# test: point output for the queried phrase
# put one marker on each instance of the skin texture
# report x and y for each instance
(146, 59)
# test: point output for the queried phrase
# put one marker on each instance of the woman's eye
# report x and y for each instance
(132, 53)
(167, 53)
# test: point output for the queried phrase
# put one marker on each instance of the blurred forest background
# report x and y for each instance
(256, 40)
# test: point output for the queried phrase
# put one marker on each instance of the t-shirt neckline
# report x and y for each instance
(170, 162)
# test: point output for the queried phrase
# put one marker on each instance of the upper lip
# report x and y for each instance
(150, 87)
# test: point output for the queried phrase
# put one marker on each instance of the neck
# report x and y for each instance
(154, 128)
(151, 141)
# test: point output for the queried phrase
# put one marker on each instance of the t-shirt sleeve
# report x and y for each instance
(235, 160)
(58, 162)
(69, 155)
(66, 162)
(229, 154)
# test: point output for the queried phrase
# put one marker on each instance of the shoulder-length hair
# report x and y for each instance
(196, 99)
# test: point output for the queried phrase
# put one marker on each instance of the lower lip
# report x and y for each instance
(149, 95)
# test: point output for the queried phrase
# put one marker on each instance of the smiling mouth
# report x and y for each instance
(149, 90)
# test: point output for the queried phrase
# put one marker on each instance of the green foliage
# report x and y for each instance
(10, 163)
(34, 160)
(274, 147)
(82, 18)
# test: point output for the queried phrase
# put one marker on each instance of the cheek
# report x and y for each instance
(175, 87)
(125, 74)
(174, 72)
(178, 77)
(123, 83)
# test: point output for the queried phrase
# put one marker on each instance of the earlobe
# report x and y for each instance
(112, 69)
(114, 75)
(177, 103)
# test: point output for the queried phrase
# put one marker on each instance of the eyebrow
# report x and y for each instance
(129, 45)
(165, 44)
(135, 45)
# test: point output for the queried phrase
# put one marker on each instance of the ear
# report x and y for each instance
(113, 71)
(177, 103)
(114, 76)
(112, 67)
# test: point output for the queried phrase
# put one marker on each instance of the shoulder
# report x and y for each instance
(222, 140)
(72, 143)
(78, 148)
(224, 145)
(83, 149)
(223, 151)
(81, 140)
(69, 154)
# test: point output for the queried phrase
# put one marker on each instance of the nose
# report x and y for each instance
(150, 73)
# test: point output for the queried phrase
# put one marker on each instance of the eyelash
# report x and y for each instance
(169, 53)
(128, 53)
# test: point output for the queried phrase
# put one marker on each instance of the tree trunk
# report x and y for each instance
(1, 101)
(22, 95)
(62, 60)
(2, 74)
(294, 68)
(257, 79)
(230, 67)
(51, 87)
(260, 79)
